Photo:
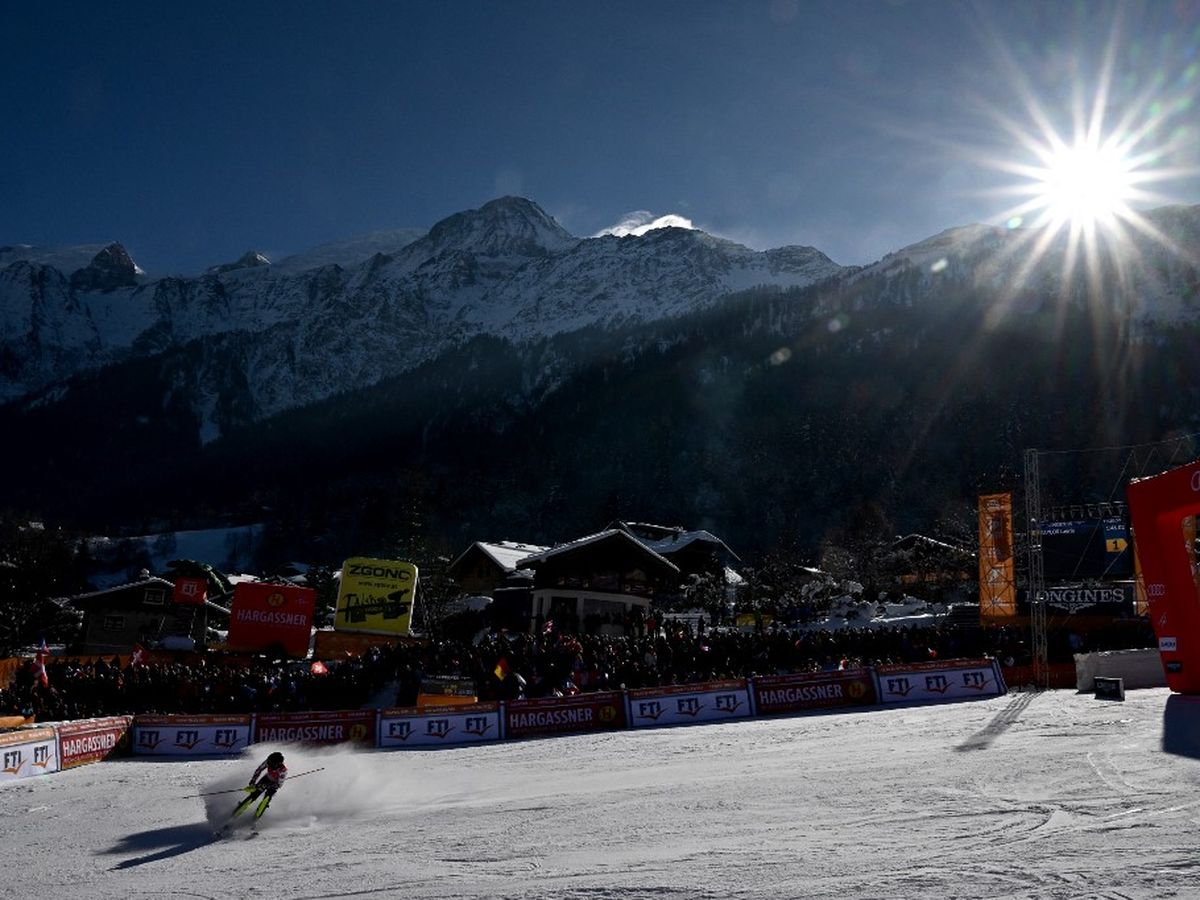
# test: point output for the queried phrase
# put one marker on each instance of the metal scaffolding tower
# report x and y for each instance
(1037, 576)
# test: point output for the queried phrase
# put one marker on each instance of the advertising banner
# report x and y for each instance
(783, 694)
(190, 591)
(563, 715)
(956, 679)
(997, 587)
(92, 740)
(191, 735)
(28, 753)
(1095, 599)
(316, 727)
(439, 726)
(376, 596)
(276, 617)
(686, 704)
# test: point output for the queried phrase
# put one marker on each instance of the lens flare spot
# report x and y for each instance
(780, 356)
(837, 323)
(939, 266)
(1014, 223)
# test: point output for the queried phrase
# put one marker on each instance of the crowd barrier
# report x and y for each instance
(41, 750)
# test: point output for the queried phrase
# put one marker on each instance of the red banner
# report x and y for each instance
(316, 727)
(190, 591)
(92, 740)
(777, 694)
(271, 616)
(559, 715)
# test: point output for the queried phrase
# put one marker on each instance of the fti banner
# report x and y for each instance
(687, 704)
(271, 617)
(191, 735)
(997, 587)
(190, 591)
(439, 726)
(28, 753)
(376, 596)
(952, 679)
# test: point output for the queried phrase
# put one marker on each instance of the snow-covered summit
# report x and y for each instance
(509, 225)
(251, 259)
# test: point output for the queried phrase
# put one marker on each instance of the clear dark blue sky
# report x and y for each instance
(192, 132)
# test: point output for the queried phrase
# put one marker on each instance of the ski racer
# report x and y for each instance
(273, 773)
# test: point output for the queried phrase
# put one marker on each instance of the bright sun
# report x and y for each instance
(1084, 185)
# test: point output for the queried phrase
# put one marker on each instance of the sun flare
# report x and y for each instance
(1085, 185)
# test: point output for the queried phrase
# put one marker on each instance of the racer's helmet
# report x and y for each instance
(275, 760)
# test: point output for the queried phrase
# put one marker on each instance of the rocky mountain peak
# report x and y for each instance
(109, 269)
(251, 259)
(508, 225)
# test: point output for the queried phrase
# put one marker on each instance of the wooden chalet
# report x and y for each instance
(692, 552)
(594, 583)
(483, 567)
(142, 612)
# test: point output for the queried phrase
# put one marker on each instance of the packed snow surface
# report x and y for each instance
(1029, 795)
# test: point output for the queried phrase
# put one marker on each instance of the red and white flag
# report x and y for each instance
(39, 664)
(138, 656)
(548, 628)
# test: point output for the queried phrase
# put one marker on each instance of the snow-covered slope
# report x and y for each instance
(1050, 795)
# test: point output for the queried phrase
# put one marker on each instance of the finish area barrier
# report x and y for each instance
(42, 750)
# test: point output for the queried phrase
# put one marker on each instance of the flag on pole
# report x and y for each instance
(39, 664)
(137, 656)
(548, 627)
(501, 670)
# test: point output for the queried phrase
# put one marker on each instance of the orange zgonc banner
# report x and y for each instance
(997, 587)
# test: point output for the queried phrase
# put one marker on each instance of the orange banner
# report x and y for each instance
(997, 585)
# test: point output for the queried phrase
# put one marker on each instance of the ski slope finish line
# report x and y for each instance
(1046, 795)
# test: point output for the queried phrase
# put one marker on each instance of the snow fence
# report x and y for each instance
(41, 750)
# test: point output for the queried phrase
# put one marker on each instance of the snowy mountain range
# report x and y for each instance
(329, 320)
(348, 314)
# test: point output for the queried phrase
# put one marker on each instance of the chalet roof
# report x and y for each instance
(505, 554)
(120, 588)
(666, 539)
(608, 534)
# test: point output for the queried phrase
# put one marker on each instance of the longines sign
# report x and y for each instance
(1077, 598)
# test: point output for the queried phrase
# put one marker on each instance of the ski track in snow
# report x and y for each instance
(1053, 795)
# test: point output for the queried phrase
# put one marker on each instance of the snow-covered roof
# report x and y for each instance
(593, 539)
(153, 579)
(508, 553)
(665, 540)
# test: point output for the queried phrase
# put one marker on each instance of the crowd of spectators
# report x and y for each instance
(506, 665)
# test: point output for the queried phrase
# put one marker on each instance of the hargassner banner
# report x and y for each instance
(957, 679)
(92, 740)
(191, 735)
(604, 711)
(790, 694)
(28, 753)
(439, 726)
(333, 727)
(686, 704)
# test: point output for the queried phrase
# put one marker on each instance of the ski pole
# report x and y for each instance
(240, 789)
(309, 772)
